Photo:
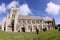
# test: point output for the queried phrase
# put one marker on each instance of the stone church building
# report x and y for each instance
(14, 22)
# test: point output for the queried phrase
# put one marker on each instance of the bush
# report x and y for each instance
(44, 29)
(59, 29)
(56, 27)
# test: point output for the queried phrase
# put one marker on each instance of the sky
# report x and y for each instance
(43, 8)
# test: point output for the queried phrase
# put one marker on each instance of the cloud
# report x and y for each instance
(2, 8)
(25, 10)
(52, 8)
(13, 4)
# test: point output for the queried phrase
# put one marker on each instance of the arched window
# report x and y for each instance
(28, 21)
(29, 27)
(40, 27)
(19, 21)
(38, 21)
(14, 11)
(24, 22)
(34, 27)
(33, 21)
(13, 15)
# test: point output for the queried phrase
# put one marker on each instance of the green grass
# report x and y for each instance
(48, 35)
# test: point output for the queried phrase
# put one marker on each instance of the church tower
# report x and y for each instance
(11, 20)
(14, 15)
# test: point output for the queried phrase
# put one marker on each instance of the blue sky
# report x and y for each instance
(44, 8)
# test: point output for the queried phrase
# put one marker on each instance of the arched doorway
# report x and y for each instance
(23, 29)
(12, 23)
(4, 28)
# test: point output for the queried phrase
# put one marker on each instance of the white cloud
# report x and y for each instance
(52, 8)
(2, 8)
(25, 10)
(13, 4)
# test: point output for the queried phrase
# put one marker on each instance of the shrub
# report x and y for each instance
(59, 29)
(56, 27)
(44, 29)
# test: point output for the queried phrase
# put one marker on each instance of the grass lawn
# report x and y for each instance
(48, 35)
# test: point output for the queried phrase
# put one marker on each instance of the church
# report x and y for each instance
(14, 22)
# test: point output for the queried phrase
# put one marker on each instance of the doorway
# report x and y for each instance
(23, 29)
(4, 28)
(12, 25)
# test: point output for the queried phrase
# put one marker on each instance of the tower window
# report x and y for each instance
(13, 15)
(29, 27)
(14, 11)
